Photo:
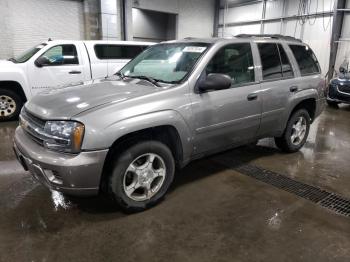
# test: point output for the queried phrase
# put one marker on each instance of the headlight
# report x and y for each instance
(66, 136)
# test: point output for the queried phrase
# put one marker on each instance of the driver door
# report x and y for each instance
(223, 118)
(61, 66)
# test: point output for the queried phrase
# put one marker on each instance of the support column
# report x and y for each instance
(338, 18)
(110, 19)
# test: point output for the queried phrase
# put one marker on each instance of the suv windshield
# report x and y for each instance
(169, 63)
(26, 55)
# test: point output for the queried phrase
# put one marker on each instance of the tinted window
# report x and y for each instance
(270, 60)
(62, 55)
(235, 60)
(287, 70)
(306, 59)
(118, 51)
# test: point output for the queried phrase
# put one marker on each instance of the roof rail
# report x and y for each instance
(275, 36)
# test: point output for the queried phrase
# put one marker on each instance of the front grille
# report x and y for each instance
(33, 126)
(344, 89)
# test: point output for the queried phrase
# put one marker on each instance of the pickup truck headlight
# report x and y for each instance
(65, 136)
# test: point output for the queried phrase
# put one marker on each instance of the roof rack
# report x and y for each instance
(274, 36)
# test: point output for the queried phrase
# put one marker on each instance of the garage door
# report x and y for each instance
(34, 21)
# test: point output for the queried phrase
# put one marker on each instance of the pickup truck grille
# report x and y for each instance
(33, 126)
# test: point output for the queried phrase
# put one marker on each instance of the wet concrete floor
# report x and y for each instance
(212, 213)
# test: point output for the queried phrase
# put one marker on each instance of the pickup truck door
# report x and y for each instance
(224, 118)
(61, 64)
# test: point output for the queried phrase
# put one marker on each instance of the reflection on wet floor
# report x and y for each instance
(211, 213)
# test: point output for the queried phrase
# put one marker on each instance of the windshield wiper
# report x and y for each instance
(120, 74)
(147, 78)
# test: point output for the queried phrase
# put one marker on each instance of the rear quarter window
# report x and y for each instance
(306, 59)
(105, 51)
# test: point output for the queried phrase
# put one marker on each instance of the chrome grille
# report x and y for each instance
(344, 89)
(33, 126)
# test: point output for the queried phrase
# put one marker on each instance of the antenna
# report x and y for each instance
(107, 46)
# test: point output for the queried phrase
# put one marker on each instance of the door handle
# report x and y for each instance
(252, 96)
(293, 89)
(75, 72)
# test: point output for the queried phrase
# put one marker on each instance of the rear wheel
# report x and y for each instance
(141, 175)
(10, 105)
(296, 132)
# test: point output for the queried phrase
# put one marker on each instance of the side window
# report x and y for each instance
(306, 59)
(117, 51)
(61, 55)
(270, 60)
(235, 60)
(287, 70)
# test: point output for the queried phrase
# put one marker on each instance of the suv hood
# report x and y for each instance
(66, 102)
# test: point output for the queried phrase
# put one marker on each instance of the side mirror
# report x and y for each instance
(215, 82)
(42, 61)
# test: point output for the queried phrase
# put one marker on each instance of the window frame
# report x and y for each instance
(279, 55)
(51, 65)
(254, 65)
(142, 47)
(296, 61)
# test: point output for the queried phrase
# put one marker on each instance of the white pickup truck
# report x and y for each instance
(60, 62)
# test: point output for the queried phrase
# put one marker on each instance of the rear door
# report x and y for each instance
(64, 65)
(277, 86)
(223, 118)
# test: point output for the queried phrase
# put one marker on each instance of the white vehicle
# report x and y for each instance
(56, 63)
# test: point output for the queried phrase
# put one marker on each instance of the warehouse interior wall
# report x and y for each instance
(189, 13)
(315, 31)
(344, 46)
(153, 26)
(24, 24)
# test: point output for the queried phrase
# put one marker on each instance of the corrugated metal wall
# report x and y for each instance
(315, 32)
(25, 23)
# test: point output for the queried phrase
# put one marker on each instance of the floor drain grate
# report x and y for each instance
(319, 196)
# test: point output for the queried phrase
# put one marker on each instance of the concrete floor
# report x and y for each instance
(211, 214)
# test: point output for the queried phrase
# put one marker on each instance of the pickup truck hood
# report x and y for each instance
(66, 102)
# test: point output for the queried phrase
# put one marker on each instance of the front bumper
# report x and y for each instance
(71, 174)
(335, 95)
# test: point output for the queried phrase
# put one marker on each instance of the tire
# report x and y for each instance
(10, 105)
(332, 103)
(123, 176)
(286, 142)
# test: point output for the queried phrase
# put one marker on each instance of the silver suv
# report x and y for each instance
(175, 102)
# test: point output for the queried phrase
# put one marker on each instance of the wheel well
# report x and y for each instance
(308, 104)
(166, 134)
(14, 86)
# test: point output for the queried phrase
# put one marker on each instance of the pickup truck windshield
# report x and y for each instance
(26, 55)
(169, 63)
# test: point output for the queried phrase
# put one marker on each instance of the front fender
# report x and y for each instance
(105, 138)
(14, 74)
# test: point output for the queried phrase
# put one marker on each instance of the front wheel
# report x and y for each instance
(141, 175)
(10, 105)
(296, 132)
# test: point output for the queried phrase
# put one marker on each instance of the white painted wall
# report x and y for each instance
(24, 24)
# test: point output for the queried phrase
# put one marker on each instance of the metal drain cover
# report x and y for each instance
(323, 198)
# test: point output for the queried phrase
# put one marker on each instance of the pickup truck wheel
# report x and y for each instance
(10, 105)
(142, 175)
(296, 132)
